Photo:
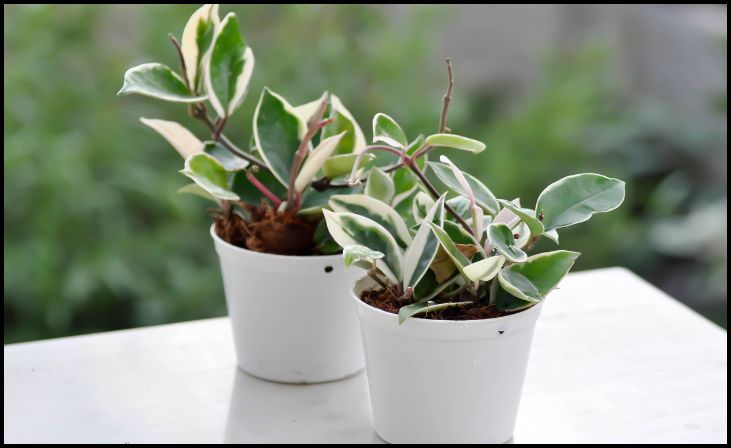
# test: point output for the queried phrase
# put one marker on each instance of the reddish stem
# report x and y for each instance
(264, 190)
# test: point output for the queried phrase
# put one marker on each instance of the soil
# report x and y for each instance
(386, 300)
(268, 231)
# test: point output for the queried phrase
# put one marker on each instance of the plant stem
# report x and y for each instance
(198, 111)
(532, 243)
(447, 98)
(315, 125)
(183, 71)
(493, 291)
(264, 190)
(351, 179)
(435, 194)
(373, 273)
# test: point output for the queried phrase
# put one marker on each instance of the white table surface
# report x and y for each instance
(613, 360)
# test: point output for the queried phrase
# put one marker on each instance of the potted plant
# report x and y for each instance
(281, 271)
(449, 303)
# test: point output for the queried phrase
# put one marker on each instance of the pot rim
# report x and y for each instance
(241, 250)
(521, 315)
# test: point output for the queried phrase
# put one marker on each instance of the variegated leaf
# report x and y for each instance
(348, 229)
(376, 210)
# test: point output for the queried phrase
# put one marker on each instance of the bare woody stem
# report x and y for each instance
(316, 123)
(183, 71)
(447, 98)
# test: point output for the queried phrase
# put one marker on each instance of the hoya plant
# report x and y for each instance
(439, 243)
(269, 194)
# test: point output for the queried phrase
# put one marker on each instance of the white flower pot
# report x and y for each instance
(291, 321)
(439, 381)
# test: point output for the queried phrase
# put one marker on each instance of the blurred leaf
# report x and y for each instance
(386, 130)
(455, 142)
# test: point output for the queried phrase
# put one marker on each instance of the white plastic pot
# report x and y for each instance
(440, 381)
(291, 321)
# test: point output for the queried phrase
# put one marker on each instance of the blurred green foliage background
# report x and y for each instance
(96, 237)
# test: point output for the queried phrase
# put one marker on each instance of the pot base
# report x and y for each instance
(303, 382)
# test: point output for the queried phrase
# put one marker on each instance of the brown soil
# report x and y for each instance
(268, 231)
(386, 300)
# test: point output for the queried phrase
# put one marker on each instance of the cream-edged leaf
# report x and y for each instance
(229, 68)
(177, 135)
(456, 142)
(484, 270)
(209, 174)
(315, 160)
(157, 81)
(350, 229)
(197, 38)
(386, 130)
(376, 210)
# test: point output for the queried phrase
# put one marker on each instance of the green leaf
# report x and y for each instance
(278, 130)
(421, 308)
(403, 179)
(349, 229)
(541, 273)
(354, 253)
(209, 174)
(483, 196)
(342, 164)
(250, 194)
(196, 190)
(428, 287)
(324, 243)
(421, 252)
(576, 198)
(386, 130)
(524, 235)
(197, 38)
(519, 286)
(354, 141)
(178, 136)
(484, 270)
(461, 205)
(508, 302)
(457, 233)
(378, 211)
(380, 186)
(456, 142)
(230, 161)
(315, 160)
(157, 81)
(501, 238)
(402, 205)
(314, 201)
(420, 206)
(229, 68)
(451, 249)
(527, 215)
(551, 235)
